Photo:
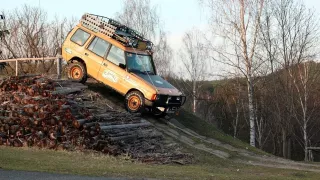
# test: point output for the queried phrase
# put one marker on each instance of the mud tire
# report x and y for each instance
(134, 102)
(77, 72)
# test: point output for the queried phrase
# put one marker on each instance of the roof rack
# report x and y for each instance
(115, 30)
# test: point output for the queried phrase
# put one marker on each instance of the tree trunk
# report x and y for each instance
(194, 96)
(289, 148)
(284, 144)
(251, 112)
(305, 138)
(236, 123)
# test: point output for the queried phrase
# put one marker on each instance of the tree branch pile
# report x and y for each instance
(55, 114)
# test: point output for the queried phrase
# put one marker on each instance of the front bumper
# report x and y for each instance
(167, 101)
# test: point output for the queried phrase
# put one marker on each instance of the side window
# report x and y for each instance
(116, 56)
(80, 37)
(99, 46)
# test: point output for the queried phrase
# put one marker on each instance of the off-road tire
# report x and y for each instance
(134, 102)
(77, 72)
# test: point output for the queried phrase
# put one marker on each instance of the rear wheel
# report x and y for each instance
(134, 102)
(77, 72)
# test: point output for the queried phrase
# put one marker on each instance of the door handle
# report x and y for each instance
(86, 54)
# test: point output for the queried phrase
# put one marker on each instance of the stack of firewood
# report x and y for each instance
(36, 111)
(32, 113)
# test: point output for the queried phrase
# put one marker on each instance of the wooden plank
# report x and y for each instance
(66, 91)
(126, 126)
(59, 67)
(30, 59)
(16, 68)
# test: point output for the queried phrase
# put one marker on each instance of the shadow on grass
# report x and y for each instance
(200, 126)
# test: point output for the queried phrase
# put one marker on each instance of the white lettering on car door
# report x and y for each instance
(107, 74)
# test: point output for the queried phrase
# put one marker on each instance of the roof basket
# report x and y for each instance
(115, 30)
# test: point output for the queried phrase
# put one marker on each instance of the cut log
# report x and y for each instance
(126, 126)
(33, 113)
(66, 91)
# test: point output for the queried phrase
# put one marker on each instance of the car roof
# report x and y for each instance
(114, 42)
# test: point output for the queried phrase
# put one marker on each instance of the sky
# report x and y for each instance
(177, 16)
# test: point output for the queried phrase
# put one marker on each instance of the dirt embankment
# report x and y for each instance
(55, 114)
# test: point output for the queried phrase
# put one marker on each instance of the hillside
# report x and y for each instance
(216, 155)
(196, 133)
(286, 104)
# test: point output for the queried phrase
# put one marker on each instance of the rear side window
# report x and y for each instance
(99, 46)
(116, 56)
(80, 37)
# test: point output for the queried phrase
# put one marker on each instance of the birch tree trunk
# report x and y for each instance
(239, 23)
(251, 112)
(194, 96)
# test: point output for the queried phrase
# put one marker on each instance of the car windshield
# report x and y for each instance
(139, 63)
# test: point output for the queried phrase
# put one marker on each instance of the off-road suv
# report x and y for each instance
(121, 58)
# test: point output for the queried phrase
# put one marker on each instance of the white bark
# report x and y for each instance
(251, 113)
(239, 23)
(194, 96)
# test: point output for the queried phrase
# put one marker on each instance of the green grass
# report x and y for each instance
(204, 128)
(206, 166)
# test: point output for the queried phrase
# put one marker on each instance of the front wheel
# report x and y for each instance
(134, 102)
(77, 72)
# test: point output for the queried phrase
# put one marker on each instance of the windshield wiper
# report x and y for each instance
(141, 72)
(136, 71)
(148, 72)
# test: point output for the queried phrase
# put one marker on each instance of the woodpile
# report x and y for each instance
(37, 111)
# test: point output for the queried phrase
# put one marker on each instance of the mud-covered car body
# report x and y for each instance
(125, 65)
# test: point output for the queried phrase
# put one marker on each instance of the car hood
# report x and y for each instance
(162, 86)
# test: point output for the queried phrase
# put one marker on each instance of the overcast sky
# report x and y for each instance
(178, 16)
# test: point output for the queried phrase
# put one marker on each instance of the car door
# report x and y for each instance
(77, 42)
(94, 55)
(111, 73)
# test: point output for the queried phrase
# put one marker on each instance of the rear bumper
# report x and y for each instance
(166, 101)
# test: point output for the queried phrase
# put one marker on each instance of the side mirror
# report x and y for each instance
(164, 77)
(122, 66)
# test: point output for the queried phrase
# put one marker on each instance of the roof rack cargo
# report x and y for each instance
(115, 30)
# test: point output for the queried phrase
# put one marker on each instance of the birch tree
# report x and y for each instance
(142, 16)
(298, 34)
(237, 23)
(193, 56)
(304, 77)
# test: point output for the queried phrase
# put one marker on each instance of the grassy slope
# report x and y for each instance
(201, 127)
(206, 166)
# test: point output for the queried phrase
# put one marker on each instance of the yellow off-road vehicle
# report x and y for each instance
(121, 58)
